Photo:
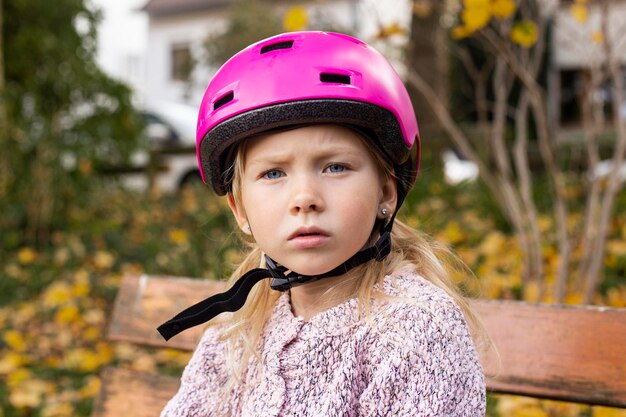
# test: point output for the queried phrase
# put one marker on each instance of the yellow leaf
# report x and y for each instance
(103, 260)
(597, 37)
(476, 17)
(503, 9)
(56, 294)
(531, 292)
(14, 339)
(616, 247)
(608, 412)
(461, 32)
(11, 362)
(295, 19)
(82, 359)
(59, 409)
(492, 244)
(178, 236)
(616, 297)
(579, 12)
(422, 8)
(90, 389)
(61, 256)
(28, 394)
(26, 256)
(524, 33)
(20, 375)
(471, 4)
(574, 299)
(388, 31)
(452, 233)
(67, 314)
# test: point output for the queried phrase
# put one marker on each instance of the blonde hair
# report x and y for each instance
(409, 248)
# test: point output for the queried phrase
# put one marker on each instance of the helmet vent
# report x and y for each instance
(278, 45)
(327, 77)
(226, 98)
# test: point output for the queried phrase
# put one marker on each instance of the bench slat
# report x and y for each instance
(559, 352)
(131, 393)
(144, 302)
(571, 353)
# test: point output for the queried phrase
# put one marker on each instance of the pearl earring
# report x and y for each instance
(384, 212)
(248, 227)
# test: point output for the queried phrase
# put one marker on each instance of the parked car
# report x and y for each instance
(171, 159)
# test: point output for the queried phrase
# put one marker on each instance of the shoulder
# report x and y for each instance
(421, 351)
(414, 300)
(417, 318)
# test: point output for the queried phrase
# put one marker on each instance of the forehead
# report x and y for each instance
(310, 139)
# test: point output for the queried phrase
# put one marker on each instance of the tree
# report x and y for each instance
(514, 34)
(61, 115)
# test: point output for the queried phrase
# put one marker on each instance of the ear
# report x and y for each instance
(239, 214)
(388, 195)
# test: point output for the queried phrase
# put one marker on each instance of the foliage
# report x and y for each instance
(64, 117)
(501, 46)
(244, 27)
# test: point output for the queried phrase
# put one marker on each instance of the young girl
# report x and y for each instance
(313, 139)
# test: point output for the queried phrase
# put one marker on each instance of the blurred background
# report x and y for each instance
(522, 111)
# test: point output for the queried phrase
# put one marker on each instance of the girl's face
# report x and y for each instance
(311, 196)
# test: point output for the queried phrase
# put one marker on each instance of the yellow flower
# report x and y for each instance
(26, 256)
(579, 12)
(296, 18)
(524, 33)
(503, 9)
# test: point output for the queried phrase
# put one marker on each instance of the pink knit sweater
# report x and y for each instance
(412, 358)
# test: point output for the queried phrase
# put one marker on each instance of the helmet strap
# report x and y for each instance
(282, 280)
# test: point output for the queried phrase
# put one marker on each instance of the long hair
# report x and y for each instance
(243, 329)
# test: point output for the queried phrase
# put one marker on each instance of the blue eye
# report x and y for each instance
(336, 168)
(273, 174)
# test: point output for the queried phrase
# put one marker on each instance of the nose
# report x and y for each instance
(306, 195)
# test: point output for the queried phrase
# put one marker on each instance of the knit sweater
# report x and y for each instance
(413, 357)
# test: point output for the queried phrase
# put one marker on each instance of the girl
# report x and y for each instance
(313, 139)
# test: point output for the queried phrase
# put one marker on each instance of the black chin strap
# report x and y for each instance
(282, 280)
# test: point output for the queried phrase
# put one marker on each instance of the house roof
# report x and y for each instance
(173, 7)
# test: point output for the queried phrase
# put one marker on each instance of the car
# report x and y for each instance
(170, 161)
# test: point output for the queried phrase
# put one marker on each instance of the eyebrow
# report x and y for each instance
(280, 157)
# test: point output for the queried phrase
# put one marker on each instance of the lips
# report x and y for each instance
(309, 237)
(308, 231)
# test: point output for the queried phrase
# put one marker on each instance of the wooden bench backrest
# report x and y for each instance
(560, 352)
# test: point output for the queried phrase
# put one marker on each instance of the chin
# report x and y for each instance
(309, 267)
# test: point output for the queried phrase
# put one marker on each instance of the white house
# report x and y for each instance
(178, 28)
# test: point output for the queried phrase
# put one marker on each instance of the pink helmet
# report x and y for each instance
(303, 78)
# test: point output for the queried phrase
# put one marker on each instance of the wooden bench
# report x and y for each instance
(564, 353)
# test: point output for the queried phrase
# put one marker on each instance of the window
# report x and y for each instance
(181, 62)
